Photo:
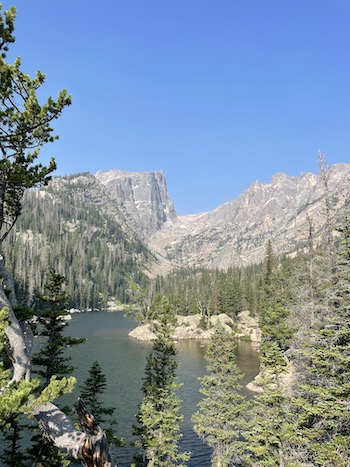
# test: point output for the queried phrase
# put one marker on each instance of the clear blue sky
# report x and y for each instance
(216, 93)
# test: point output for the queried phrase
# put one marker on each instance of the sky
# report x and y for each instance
(216, 93)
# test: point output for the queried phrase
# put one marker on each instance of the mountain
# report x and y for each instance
(235, 233)
(107, 233)
(71, 226)
(141, 199)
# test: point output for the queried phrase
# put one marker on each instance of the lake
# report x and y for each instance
(123, 360)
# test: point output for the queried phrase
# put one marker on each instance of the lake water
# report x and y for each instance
(123, 360)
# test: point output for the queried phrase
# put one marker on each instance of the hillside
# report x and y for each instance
(70, 226)
(235, 233)
(108, 233)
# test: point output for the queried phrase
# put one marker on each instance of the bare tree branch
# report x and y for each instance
(89, 446)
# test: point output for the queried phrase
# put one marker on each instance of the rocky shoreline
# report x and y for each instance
(190, 327)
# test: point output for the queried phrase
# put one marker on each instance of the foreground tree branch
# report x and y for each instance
(90, 445)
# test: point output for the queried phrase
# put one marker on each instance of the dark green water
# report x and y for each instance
(123, 361)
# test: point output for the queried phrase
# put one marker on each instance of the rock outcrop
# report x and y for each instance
(189, 327)
(284, 380)
(141, 198)
(247, 326)
(236, 233)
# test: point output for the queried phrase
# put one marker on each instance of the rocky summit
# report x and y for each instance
(235, 233)
(141, 198)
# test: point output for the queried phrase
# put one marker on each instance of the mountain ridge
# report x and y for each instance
(235, 233)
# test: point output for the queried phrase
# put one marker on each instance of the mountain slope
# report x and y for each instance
(89, 228)
(71, 226)
(236, 233)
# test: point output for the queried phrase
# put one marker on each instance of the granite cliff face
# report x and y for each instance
(141, 199)
(235, 233)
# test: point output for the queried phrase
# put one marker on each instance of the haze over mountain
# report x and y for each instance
(235, 233)
(99, 230)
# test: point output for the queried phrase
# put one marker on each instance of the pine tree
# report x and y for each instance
(25, 126)
(20, 399)
(12, 454)
(268, 428)
(91, 392)
(322, 402)
(220, 419)
(51, 359)
(266, 435)
(273, 309)
(159, 413)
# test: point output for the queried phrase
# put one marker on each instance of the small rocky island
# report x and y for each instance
(191, 327)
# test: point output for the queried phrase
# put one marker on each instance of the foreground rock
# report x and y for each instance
(284, 380)
(191, 327)
(247, 326)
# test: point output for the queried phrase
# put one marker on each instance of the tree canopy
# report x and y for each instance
(25, 127)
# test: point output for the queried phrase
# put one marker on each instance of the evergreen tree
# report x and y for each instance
(91, 392)
(274, 311)
(159, 413)
(266, 434)
(12, 454)
(18, 399)
(265, 291)
(51, 359)
(230, 296)
(269, 428)
(250, 288)
(322, 398)
(220, 419)
(25, 126)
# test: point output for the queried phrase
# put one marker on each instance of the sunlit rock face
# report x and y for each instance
(234, 234)
(142, 198)
(237, 232)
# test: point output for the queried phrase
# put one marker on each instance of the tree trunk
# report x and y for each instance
(89, 445)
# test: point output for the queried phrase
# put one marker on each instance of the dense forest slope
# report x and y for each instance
(107, 233)
(70, 226)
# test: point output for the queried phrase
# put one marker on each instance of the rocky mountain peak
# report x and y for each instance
(236, 233)
(281, 177)
(141, 197)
